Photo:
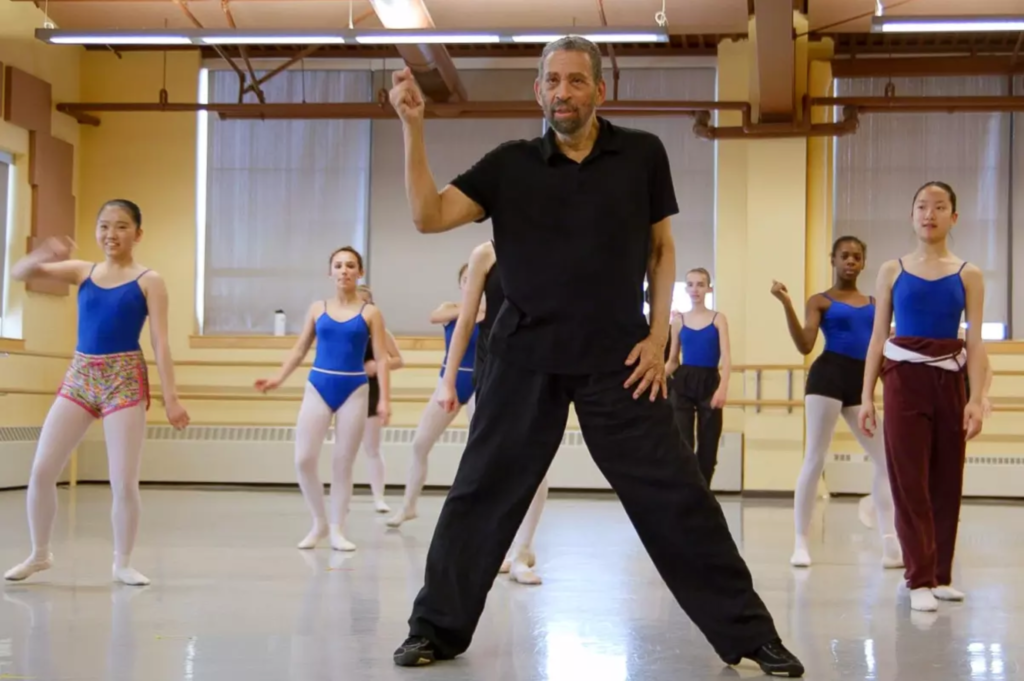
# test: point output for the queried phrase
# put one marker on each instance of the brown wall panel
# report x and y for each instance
(51, 162)
(28, 101)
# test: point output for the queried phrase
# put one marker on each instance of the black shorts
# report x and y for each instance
(696, 384)
(837, 376)
(373, 397)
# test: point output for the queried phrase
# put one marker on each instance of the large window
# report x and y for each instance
(878, 169)
(280, 196)
(692, 161)
(6, 201)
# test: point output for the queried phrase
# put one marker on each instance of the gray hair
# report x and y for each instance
(574, 43)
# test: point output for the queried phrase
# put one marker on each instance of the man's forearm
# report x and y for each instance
(661, 277)
(420, 187)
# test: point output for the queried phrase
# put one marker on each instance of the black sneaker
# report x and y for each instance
(415, 652)
(773, 658)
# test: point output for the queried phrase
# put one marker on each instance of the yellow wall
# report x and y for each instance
(46, 323)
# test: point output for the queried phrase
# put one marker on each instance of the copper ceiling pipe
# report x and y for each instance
(924, 104)
(253, 82)
(375, 110)
(804, 128)
(611, 53)
(183, 5)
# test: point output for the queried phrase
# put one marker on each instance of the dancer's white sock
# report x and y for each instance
(948, 593)
(821, 414)
(923, 600)
(375, 463)
(123, 572)
(866, 511)
(521, 568)
(35, 563)
(310, 430)
(402, 516)
(318, 532)
(432, 425)
(801, 555)
(338, 540)
(892, 552)
(349, 422)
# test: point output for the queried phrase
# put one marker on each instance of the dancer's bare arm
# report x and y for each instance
(432, 211)
(50, 260)
(298, 351)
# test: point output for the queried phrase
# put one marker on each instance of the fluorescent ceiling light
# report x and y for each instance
(947, 24)
(397, 38)
(596, 38)
(273, 40)
(599, 34)
(126, 39)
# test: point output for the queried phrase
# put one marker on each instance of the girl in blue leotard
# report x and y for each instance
(107, 379)
(435, 418)
(845, 317)
(337, 387)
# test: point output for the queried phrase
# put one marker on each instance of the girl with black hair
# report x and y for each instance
(928, 417)
(845, 317)
(107, 380)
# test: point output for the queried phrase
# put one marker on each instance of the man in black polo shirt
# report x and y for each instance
(580, 216)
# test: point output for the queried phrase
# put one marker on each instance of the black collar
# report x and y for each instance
(608, 140)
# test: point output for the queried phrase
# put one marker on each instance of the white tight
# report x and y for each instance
(374, 460)
(822, 414)
(432, 425)
(313, 423)
(65, 426)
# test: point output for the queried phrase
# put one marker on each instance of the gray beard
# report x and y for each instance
(565, 127)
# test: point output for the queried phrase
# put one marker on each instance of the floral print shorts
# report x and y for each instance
(104, 384)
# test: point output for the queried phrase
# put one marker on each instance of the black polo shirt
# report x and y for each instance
(573, 240)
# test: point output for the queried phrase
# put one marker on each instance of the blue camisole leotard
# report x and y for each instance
(464, 381)
(338, 369)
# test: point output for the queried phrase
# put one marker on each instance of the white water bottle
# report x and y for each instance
(279, 322)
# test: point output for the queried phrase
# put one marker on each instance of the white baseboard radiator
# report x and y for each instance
(265, 455)
(17, 447)
(984, 476)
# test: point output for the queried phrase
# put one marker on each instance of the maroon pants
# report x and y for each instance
(925, 449)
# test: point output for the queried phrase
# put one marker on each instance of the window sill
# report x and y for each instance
(255, 342)
(12, 345)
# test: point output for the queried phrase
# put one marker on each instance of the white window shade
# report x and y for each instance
(692, 159)
(878, 169)
(281, 196)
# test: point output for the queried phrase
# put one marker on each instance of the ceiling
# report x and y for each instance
(684, 16)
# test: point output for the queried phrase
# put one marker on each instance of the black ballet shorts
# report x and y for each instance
(373, 397)
(839, 377)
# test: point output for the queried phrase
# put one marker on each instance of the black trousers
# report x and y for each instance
(692, 389)
(515, 432)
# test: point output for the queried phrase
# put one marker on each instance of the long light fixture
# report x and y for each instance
(597, 34)
(945, 24)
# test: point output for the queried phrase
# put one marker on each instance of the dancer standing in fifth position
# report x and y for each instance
(371, 436)
(699, 391)
(483, 280)
(338, 388)
(845, 317)
(107, 380)
(928, 418)
(435, 420)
